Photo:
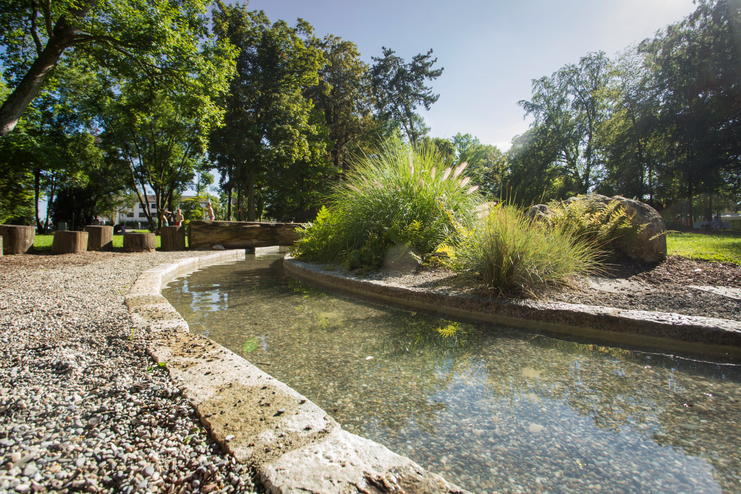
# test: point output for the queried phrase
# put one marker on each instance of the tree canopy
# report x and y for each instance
(399, 89)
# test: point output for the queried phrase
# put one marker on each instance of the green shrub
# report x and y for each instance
(512, 254)
(399, 201)
(604, 225)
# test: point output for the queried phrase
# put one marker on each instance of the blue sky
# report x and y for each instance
(491, 49)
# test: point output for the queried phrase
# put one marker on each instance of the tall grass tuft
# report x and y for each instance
(513, 254)
(397, 202)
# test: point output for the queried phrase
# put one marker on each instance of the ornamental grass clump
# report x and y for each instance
(509, 252)
(397, 202)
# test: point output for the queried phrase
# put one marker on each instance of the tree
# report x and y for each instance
(54, 143)
(699, 79)
(633, 147)
(160, 137)
(268, 119)
(155, 39)
(343, 95)
(486, 163)
(569, 109)
(399, 88)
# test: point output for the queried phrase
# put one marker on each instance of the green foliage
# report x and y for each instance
(397, 202)
(157, 42)
(562, 144)
(193, 211)
(160, 133)
(605, 226)
(70, 206)
(714, 247)
(399, 88)
(343, 97)
(659, 123)
(511, 254)
(16, 180)
(268, 123)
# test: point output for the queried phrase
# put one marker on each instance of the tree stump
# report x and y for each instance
(99, 237)
(139, 242)
(66, 242)
(172, 238)
(17, 239)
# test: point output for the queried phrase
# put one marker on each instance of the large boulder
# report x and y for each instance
(649, 246)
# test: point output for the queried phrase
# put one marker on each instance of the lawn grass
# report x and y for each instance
(716, 247)
(42, 243)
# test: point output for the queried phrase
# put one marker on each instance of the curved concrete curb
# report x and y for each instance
(625, 327)
(294, 446)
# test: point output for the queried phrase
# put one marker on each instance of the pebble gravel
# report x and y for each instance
(83, 407)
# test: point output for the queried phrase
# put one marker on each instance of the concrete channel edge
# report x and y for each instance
(291, 442)
(668, 331)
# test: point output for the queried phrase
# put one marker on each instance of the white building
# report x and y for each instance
(139, 214)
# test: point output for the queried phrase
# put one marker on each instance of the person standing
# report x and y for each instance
(163, 217)
(178, 217)
(210, 212)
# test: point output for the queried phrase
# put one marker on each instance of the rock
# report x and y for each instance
(240, 234)
(401, 258)
(649, 246)
(539, 212)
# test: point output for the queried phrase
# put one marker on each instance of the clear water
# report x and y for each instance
(489, 408)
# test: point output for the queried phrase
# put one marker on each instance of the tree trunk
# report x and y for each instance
(691, 220)
(239, 202)
(61, 39)
(251, 195)
(36, 194)
(66, 242)
(709, 210)
(229, 203)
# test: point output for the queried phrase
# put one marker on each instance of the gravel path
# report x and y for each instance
(83, 407)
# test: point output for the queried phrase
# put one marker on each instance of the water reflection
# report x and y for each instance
(492, 409)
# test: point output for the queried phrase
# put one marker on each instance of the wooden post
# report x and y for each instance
(17, 239)
(66, 242)
(100, 237)
(172, 238)
(139, 242)
(1, 246)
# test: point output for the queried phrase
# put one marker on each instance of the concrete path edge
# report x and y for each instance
(668, 331)
(291, 442)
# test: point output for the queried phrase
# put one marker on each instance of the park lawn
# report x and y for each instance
(42, 243)
(717, 247)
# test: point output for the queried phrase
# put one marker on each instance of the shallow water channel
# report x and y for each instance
(489, 408)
